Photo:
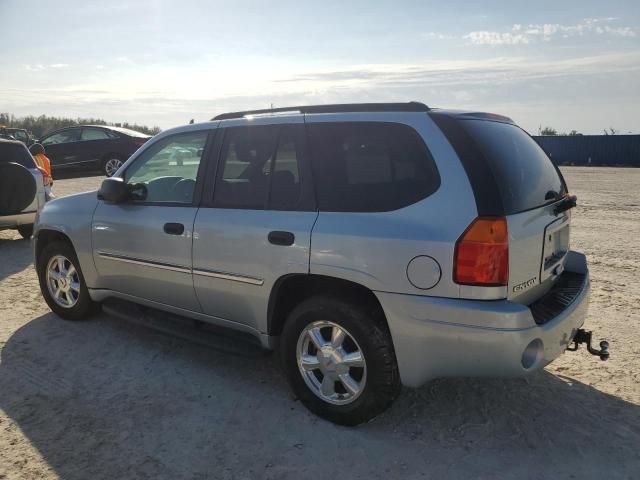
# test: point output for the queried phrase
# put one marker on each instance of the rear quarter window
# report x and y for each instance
(16, 153)
(370, 166)
(525, 176)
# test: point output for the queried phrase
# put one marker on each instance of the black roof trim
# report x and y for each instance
(336, 108)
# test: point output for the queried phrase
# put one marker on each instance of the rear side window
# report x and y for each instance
(94, 134)
(370, 166)
(525, 177)
(16, 153)
(260, 168)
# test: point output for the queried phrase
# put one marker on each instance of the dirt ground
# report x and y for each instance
(109, 399)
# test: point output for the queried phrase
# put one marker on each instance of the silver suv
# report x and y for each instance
(374, 245)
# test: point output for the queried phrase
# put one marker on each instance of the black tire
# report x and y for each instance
(84, 306)
(367, 325)
(25, 231)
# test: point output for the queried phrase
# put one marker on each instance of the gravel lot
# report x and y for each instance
(109, 399)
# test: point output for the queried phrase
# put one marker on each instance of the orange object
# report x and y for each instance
(482, 253)
(43, 162)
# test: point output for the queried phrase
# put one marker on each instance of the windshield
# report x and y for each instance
(523, 172)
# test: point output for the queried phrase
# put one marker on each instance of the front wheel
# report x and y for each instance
(339, 359)
(111, 166)
(62, 283)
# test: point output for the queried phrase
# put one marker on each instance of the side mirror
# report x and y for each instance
(113, 190)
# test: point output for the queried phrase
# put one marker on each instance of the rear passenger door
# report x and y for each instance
(95, 145)
(256, 225)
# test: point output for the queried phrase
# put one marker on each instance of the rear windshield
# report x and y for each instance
(16, 153)
(131, 133)
(525, 177)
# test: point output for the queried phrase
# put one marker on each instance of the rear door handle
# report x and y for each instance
(281, 238)
(174, 228)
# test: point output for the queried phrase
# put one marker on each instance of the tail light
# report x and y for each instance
(46, 178)
(482, 253)
(139, 141)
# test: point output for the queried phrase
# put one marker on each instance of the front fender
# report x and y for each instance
(72, 217)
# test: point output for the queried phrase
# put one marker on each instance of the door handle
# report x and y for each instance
(174, 228)
(281, 238)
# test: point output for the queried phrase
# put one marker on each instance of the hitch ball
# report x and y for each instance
(584, 336)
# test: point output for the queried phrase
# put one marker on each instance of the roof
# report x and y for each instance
(15, 142)
(335, 108)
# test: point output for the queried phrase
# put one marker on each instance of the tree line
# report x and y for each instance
(43, 124)
(552, 131)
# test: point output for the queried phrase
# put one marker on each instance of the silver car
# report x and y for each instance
(372, 245)
(22, 189)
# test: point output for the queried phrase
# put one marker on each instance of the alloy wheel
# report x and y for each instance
(111, 166)
(331, 362)
(63, 281)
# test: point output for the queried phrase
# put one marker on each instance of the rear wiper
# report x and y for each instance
(567, 203)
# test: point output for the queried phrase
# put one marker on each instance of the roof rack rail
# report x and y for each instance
(336, 108)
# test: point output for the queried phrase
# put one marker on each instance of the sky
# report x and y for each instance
(566, 64)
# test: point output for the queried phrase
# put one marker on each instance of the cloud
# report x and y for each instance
(496, 70)
(38, 67)
(34, 68)
(496, 38)
(438, 36)
(546, 32)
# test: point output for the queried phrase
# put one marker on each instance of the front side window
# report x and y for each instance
(259, 168)
(370, 166)
(66, 136)
(167, 170)
(94, 134)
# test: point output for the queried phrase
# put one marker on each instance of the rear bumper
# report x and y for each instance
(442, 337)
(14, 221)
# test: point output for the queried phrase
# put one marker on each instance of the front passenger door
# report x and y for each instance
(62, 148)
(95, 145)
(143, 247)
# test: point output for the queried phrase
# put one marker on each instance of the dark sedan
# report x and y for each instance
(91, 148)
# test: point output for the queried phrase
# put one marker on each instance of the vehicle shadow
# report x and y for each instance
(17, 254)
(110, 399)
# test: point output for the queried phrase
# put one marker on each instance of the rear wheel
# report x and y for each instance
(62, 283)
(111, 165)
(339, 359)
(25, 231)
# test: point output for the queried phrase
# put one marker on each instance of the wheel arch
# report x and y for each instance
(113, 154)
(47, 235)
(289, 290)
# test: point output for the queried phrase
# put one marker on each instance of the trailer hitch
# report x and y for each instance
(584, 336)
